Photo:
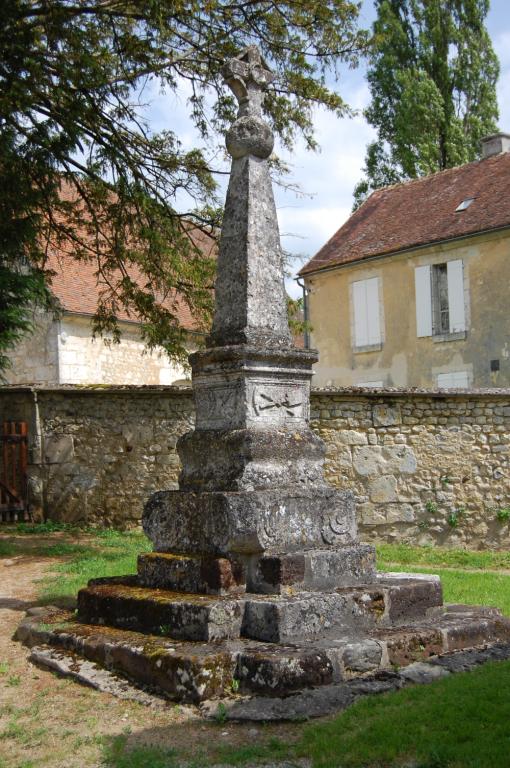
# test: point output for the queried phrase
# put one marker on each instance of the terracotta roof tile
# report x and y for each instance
(78, 288)
(422, 211)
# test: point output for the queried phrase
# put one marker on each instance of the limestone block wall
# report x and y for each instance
(427, 467)
(424, 467)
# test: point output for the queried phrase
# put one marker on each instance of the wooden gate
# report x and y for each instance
(13, 475)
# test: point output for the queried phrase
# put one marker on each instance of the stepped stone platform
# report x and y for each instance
(258, 582)
(193, 671)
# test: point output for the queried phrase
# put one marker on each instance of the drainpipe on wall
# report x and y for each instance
(36, 480)
(305, 312)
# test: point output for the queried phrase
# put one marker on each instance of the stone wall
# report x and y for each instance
(428, 467)
(97, 453)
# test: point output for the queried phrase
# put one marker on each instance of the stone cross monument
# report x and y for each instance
(253, 504)
(257, 575)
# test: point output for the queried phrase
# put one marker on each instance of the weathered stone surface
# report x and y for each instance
(58, 450)
(91, 674)
(192, 672)
(275, 674)
(383, 489)
(250, 459)
(421, 672)
(386, 415)
(222, 523)
(363, 656)
(250, 294)
(312, 569)
(181, 573)
(179, 615)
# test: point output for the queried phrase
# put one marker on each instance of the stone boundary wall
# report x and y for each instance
(425, 466)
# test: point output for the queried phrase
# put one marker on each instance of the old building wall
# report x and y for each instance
(63, 352)
(424, 467)
(85, 360)
(35, 359)
(403, 359)
(96, 454)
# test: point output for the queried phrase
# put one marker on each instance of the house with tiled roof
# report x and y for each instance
(413, 290)
(62, 349)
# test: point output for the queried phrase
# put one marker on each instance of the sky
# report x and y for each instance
(327, 178)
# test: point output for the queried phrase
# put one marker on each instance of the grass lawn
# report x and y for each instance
(458, 722)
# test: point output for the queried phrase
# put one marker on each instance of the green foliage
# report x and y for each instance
(455, 516)
(405, 555)
(81, 172)
(221, 715)
(48, 526)
(503, 515)
(431, 507)
(432, 77)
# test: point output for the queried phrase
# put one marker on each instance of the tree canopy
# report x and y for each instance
(82, 173)
(432, 76)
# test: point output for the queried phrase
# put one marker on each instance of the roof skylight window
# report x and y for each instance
(464, 204)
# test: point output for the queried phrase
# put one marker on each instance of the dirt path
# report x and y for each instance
(49, 721)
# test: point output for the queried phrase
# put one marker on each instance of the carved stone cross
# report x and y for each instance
(248, 77)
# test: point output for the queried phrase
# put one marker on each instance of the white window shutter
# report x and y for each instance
(423, 293)
(456, 296)
(359, 298)
(373, 311)
(454, 380)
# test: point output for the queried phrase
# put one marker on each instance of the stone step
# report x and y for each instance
(203, 574)
(390, 600)
(191, 672)
(181, 615)
(317, 569)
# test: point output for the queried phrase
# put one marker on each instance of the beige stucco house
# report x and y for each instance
(413, 290)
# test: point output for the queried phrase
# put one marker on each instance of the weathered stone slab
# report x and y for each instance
(194, 671)
(178, 615)
(273, 674)
(222, 523)
(250, 459)
(320, 569)
(198, 573)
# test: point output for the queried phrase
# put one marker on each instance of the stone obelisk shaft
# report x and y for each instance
(250, 294)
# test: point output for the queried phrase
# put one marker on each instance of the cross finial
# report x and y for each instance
(248, 76)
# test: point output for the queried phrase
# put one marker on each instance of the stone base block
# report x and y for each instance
(191, 672)
(182, 616)
(250, 522)
(319, 569)
(198, 574)
(281, 618)
(290, 617)
(239, 459)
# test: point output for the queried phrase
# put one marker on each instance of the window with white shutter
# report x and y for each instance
(440, 303)
(367, 313)
(453, 380)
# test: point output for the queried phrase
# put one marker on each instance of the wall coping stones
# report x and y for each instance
(179, 389)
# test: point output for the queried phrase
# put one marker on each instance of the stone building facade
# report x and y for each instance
(427, 467)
